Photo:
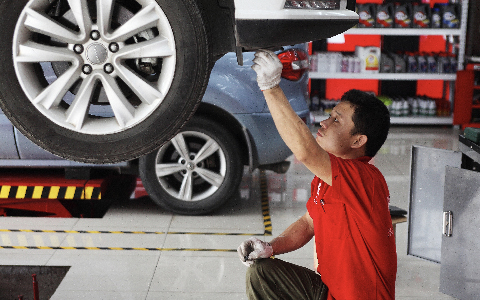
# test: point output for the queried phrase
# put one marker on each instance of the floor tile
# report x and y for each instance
(193, 274)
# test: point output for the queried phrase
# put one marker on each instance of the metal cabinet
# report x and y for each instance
(460, 272)
(444, 217)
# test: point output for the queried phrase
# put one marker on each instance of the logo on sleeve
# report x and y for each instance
(390, 232)
(318, 193)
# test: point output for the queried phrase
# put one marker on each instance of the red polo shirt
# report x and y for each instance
(354, 237)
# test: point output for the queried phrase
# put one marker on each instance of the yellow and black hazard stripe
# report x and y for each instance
(117, 248)
(128, 232)
(267, 221)
(50, 192)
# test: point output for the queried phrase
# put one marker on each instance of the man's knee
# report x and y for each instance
(260, 270)
(260, 281)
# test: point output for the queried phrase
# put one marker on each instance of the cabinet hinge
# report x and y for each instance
(447, 223)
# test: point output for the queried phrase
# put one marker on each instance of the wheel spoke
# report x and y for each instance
(208, 149)
(123, 110)
(185, 192)
(213, 178)
(144, 19)
(33, 52)
(40, 23)
(144, 90)
(82, 16)
(104, 15)
(78, 110)
(179, 143)
(168, 169)
(156, 47)
(53, 94)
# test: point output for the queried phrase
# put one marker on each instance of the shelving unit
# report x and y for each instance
(384, 76)
(467, 94)
(450, 78)
(413, 120)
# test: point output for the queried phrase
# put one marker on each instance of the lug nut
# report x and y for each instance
(95, 35)
(114, 47)
(87, 69)
(78, 48)
(108, 68)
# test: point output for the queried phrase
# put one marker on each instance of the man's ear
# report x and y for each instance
(359, 141)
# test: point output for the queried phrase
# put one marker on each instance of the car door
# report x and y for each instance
(8, 150)
(29, 150)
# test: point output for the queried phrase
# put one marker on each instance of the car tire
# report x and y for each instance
(188, 184)
(102, 108)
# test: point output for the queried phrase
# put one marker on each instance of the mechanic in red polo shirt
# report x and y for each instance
(347, 212)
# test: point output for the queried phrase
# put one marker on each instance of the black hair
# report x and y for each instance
(370, 117)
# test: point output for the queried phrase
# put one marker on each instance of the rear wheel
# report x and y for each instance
(101, 80)
(196, 172)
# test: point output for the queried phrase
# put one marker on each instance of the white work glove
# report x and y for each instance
(268, 68)
(252, 249)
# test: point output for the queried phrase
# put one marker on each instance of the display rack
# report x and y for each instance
(467, 94)
(384, 76)
(450, 78)
(412, 120)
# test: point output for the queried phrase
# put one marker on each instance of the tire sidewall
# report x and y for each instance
(189, 83)
(229, 186)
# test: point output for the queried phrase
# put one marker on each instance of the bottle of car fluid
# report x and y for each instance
(421, 15)
(414, 105)
(432, 108)
(432, 63)
(395, 109)
(436, 16)
(423, 105)
(405, 107)
(385, 15)
(400, 65)
(403, 15)
(453, 63)
(422, 63)
(451, 15)
(366, 13)
(387, 65)
(370, 57)
(412, 63)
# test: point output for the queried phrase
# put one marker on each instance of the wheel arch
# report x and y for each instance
(239, 132)
(219, 17)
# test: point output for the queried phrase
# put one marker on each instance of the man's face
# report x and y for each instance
(334, 135)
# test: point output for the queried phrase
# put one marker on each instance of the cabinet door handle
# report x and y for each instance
(447, 223)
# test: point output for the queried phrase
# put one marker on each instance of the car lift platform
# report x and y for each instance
(49, 193)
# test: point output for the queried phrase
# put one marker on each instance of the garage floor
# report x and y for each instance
(180, 257)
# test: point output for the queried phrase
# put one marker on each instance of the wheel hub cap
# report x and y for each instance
(190, 166)
(97, 54)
